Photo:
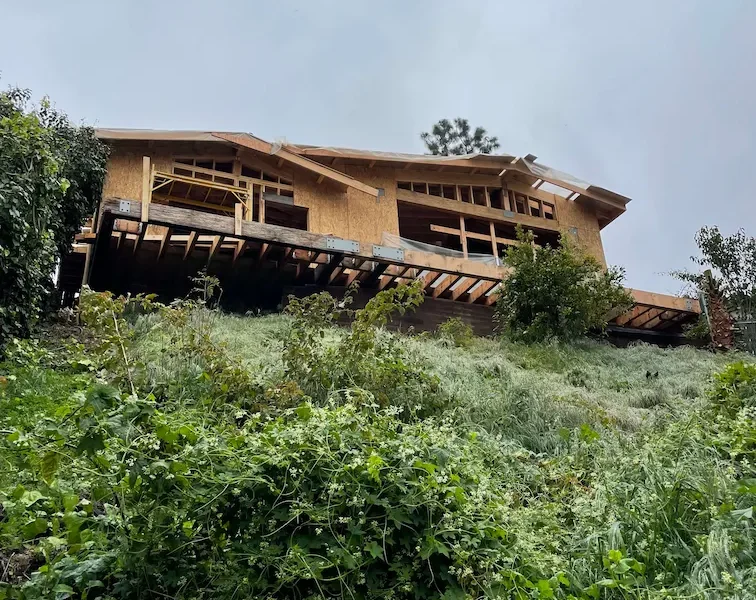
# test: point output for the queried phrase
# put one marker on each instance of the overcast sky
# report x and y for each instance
(653, 99)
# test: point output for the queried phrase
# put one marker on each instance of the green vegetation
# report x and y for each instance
(556, 292)
(51, 176)
(179, 452)
(457, 137)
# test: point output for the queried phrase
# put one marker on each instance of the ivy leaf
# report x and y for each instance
(374, 549)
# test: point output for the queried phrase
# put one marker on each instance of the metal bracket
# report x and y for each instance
(342, 245)
(388, 252)
(124, 206)
(689, 304)
(509, 214)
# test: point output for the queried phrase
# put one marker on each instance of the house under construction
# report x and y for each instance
(273, 219)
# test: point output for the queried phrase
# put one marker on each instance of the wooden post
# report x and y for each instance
(262, 205)
(463, 235)
(146, 188)
(87, 262)
(494, 246)
(238, 207)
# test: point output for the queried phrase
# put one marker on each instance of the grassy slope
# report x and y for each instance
(532, 390)
(529, 397)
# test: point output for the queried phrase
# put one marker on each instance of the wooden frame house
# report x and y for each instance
(271, 219)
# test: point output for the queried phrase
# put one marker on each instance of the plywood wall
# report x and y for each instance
(347, 213)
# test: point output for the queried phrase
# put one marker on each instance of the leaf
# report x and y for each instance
(166, 434)
(430, 468)
(63, 590)
(49, 466)
(374, 549)
(29, 498)
(91, 443)
(33, 528)
(304, 411)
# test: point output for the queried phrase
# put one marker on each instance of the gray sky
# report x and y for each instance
(654, 99)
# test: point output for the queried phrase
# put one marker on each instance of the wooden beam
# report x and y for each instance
(140, 236)
(320, 179)
(264, 251)
(336, 272)
(430, 278)
(164, 242)
(323, 272)
(666, 301)
(146, 188)
(238, 207)
(649, 315)
(463, 287)
(463, 235)
(481, 290)
(633, 313)
(473, 235)
(473, 210)
(239, 250)
(190, 243)
(214, 224)
(287, 253)
(445, 284)
(374, 275)
(214, 247)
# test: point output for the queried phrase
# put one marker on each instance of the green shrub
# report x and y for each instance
(556, 292)
(455, 332)
(364, 357)
(51, 176)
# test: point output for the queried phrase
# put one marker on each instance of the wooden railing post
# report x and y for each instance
(146, 188)
(238, 207)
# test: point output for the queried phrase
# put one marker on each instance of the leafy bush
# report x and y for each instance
(556, 292)
(365, 357)
(51, 176)
(455, 332)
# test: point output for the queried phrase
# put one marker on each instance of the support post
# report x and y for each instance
(146, 188)
(238, 207)
(463, 235)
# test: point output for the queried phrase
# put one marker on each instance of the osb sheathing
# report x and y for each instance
(334, 210)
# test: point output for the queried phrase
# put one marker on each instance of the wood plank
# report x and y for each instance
(248, 141)
(140, 237)
(445, 284)
(190, 243)
(470, 234)
(462, 234)
(287, 254)
(146, 188)
(164, 242)
(214, 247)
(374, 275)
(323, 272)
(238, 218)
(473, 210)
(463, 287)
(481, 291)
(173, 216)
(665, 301)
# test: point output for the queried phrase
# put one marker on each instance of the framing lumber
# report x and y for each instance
(445, 284)
(146, 188)
(323, 272)
(164, 243)
(374, 275)
(248, 141)
(463, 287)
(190, 243)
(475, 210)
(214, 224)
(481, 290)
(214, 247)
(476, 236)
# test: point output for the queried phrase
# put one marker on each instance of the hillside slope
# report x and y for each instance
(192, 454)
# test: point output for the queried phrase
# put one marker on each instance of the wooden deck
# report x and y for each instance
(305, 258)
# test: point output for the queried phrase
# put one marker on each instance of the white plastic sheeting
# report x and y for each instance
(395, 241)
